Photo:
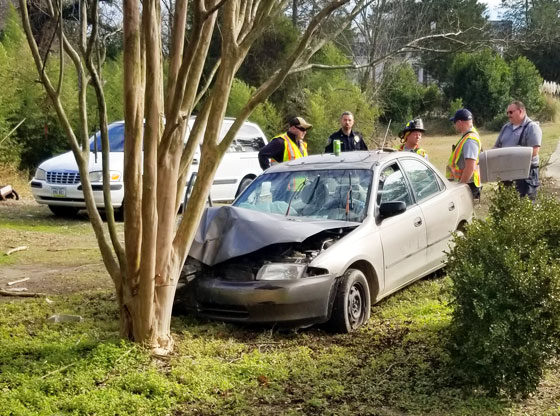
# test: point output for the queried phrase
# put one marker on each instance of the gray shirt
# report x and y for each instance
(470, 151)
(510, 136)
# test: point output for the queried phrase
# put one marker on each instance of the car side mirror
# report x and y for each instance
(391, 208)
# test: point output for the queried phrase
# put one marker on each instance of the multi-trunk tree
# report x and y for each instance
(158, 104)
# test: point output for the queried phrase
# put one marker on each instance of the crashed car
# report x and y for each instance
(322, 238)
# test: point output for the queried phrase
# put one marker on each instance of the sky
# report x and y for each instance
(493, 7)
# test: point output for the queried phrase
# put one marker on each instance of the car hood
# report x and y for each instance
(227, 232)
(67, 162)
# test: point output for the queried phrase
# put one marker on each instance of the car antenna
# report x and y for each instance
(386, 133)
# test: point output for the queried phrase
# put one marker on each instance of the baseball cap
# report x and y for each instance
(462, 114)
(299, 121)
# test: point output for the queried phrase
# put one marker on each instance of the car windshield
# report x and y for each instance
(116, 138)
(336, 194)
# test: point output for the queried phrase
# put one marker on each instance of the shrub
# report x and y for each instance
(265, 114)
(325, 106)
(551, 109)
(400, 94)
(506, 287)
(526, 84)
(483, 81)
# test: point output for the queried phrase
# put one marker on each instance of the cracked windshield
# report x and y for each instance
(337, 194)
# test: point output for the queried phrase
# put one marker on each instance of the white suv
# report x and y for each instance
(57, 180)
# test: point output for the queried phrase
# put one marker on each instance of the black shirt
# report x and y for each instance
(274, 150)
(353, 141)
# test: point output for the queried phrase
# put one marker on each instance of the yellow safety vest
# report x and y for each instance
(416, 150)
(453, 171)
(291, 150)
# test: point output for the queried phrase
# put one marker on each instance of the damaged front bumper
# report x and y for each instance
(294, 302)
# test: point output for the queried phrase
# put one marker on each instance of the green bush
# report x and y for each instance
(526, 85)
(483, 81)
(265, 114)
(506, 295)
(400, 94)
(325, 106)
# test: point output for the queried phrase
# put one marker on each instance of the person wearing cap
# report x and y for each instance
(349, 140)
(410, 138)
(463, 162)
(286, 146)
(522, 131)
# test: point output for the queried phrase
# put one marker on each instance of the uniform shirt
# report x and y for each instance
(414, 150)
(274, 150)
(470, 151)
(510, 136)
(353, 141)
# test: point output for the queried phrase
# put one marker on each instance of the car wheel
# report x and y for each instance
(66, 212)
(351, 308)
(245, 182)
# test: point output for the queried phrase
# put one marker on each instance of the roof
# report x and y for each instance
(346, 160)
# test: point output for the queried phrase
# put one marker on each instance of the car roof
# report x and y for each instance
(346, 160)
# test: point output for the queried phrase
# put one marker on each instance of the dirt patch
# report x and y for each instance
(60, 256)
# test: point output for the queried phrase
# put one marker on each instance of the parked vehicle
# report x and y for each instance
(321, 238)
(57, 181)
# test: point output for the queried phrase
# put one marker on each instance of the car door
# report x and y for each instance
(403, 236)
(439, 207)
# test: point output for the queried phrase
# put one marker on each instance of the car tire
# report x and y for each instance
(352, 304)
(245, 182)
(65, 212)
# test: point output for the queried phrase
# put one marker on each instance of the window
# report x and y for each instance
(116, 138)
(248, 138)
(392, 186)
(424, 181)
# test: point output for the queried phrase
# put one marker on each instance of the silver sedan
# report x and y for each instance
(321, 238)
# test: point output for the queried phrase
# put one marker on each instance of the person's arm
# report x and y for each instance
(363, 145)
(271, 150)
(468, 171)
(329, 146)
(499, 139)
(534, 138)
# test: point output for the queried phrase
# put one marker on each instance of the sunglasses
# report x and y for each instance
(509, 113)
(303, 129)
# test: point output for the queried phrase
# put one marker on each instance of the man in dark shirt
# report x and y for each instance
(286, 146)
(349, 140)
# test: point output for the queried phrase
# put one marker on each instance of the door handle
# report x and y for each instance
(451, 206)
(417, 222)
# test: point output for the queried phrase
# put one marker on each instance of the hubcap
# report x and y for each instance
(355, 305)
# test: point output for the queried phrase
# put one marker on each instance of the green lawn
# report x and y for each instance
(396, 365)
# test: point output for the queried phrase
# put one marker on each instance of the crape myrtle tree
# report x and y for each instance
(145, 269)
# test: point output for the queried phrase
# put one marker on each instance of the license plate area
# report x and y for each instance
(58, 192)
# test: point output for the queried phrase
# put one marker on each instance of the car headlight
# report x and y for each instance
(40, 174)
(97, 176)
(281, 271)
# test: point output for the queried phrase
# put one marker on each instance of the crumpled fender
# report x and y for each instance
(226, 232)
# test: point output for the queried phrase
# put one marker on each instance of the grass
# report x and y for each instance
(397, 364)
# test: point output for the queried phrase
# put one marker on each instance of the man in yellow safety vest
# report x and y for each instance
(463, 162)
(286, 146)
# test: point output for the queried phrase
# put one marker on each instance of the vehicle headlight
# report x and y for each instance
(281, 271)
(97, 176)
(40, 174)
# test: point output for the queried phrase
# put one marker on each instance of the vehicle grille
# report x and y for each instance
(67, 178)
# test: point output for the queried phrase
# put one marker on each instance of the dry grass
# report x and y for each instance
(9, 175)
